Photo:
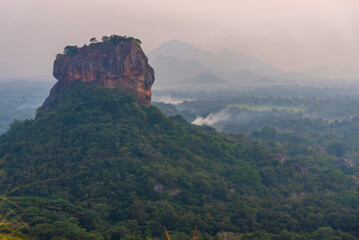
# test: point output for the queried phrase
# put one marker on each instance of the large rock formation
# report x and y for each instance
(111, 65)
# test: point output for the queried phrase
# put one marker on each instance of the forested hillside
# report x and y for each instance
(99, 165)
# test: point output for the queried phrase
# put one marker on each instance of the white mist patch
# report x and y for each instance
(170, 100)
(213, 119)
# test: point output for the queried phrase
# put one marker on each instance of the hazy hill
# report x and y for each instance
(170, 70)
(224, 61)
(99, 165)
(182, 51)
(176, 62)
(104, 164)
(205, 79)
(326, 73)
(173, 60)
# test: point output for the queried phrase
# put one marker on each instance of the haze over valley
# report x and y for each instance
(207, 120)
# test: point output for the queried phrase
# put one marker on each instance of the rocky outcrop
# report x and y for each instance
(122, 65)
(282, 157)
(346, 162)
(299, 169)
(301, 196)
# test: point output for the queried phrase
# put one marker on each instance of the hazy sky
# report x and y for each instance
(290, 34)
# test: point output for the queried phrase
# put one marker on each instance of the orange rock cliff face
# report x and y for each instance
(123, 65)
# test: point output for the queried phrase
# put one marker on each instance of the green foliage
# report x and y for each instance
(123, 170)
(325, 233)
(337, 148)
(105, 39)
(12, 226)
(247, 175)
(268, 133)
(116, 39)
(70, 51)
(93, 40)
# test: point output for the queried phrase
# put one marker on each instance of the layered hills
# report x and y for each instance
(224, 61)
(175, 61)
(99, 163)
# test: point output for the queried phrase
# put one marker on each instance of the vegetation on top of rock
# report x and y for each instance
(70, 51)
(93, 40)
(116, 39)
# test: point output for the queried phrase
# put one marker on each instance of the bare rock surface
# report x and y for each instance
(123, 65)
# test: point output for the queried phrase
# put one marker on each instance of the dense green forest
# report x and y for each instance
(98, 165)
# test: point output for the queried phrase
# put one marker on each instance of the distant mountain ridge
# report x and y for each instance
(206, 78)
(170, 70)
(175, 61)
(324, 72)
(225, 61)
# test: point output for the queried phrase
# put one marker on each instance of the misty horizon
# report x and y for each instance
(292, 36)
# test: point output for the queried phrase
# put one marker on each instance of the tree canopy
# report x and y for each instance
(98, 165)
